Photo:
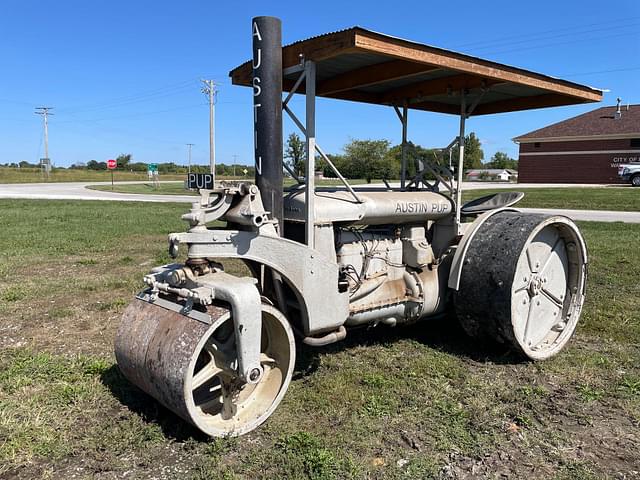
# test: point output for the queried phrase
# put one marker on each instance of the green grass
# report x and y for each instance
(583, 198)
(404, 403)
(176, 188)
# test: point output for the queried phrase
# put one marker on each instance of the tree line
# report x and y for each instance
(371, 159)
(368, 159)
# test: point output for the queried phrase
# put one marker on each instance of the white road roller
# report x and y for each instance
(219, 350)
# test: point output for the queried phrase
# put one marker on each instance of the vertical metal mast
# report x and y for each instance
(189, 145)
(209, 89)
(44, 111)
(267, 110)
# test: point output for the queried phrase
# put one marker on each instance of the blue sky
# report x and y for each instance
(124, 76)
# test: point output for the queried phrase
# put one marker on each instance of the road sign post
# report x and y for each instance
(111, 165)
(152, 171)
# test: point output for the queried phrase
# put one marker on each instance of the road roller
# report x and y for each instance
(219, 349)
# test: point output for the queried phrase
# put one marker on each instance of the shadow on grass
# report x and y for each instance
(443, 334)
(148, 408)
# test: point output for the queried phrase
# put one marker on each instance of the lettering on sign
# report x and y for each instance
(421, 207)
(201, 181)
(621, 160)
(257, 90)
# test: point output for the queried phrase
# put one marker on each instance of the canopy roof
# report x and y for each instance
(364, 66)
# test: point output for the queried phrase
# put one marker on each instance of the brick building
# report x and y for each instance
(582, 149)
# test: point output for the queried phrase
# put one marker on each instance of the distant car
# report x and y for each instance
(630, 172)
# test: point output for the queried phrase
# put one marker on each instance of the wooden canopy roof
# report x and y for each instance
(364, 66)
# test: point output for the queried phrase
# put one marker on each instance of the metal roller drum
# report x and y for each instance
(189, 366)
(523, 282)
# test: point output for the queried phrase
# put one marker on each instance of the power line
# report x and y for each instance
(141, 114)
(580, 74)
(502, 40)
(535, 47)
(564, 35)
(161, 92)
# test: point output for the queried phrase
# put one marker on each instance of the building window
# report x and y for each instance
(635, 143)
(536, 145)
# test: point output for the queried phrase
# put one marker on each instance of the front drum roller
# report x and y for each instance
(523, 282)
(188, 366)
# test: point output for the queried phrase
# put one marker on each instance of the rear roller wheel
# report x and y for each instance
(523, 282)
(190, 367)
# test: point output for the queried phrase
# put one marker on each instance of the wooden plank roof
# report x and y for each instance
(365, 66)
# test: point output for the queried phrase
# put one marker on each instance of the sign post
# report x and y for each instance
(152, 172)
(111, 165)
(45, 166)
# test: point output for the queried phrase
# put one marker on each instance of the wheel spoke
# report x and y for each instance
(527, 326)
(543, 315)
(267, 360)
(552, 298)
(546, 262)
(205, 374)
(530, 261)
(521, 289)
(228, 407)
(223, 352)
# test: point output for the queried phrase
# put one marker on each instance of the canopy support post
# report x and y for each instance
(463, 117)
(403, 117)
(310, 135)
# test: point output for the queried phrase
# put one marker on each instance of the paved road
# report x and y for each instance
(77, 191)
(590, 215)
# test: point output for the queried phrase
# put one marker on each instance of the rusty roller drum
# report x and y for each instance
(523, 282)
(188, 366)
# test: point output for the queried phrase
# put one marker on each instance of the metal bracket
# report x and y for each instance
(147, 296)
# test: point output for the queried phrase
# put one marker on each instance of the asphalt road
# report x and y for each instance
(77, 191)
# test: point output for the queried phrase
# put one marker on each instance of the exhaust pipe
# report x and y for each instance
(267, 111)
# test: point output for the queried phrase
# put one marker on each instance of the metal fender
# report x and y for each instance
(463, 246)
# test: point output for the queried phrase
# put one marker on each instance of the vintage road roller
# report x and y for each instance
(219, 349)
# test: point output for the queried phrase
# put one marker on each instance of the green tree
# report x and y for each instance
(295, 154)
(123, 160)
(94, 165)
(473, 154)
(368, 159)
(502, 160)
(415, 154)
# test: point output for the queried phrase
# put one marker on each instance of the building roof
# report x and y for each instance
(599, 122)
(364, 66)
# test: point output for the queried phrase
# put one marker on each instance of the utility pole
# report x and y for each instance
(209, 89)
(44, 111)
(235, 160)
(190, 145)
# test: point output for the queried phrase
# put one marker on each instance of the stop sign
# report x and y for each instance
(111, 164)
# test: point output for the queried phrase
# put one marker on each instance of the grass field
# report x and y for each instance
(414, 402)
(177, 188)
(173, 188)
(582, 198)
